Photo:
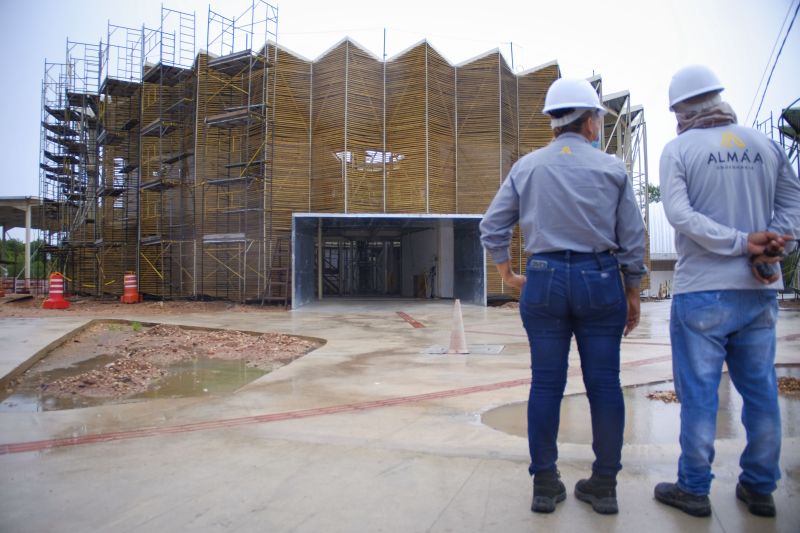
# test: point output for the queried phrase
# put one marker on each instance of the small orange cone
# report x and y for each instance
(458, 341)
(130, 294)
(55, 294)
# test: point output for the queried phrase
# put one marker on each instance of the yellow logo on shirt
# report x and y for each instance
(566, 150)
(729, 140)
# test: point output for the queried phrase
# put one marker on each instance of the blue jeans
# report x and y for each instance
(568, 293)
(738, 328)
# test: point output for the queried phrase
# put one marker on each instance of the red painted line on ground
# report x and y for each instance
(40, 445)
(410, 320)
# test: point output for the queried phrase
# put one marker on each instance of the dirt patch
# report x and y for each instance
(32, 307)
(666, 396)
(116, 360)
(789, 386)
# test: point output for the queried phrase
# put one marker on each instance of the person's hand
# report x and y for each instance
(762, 269)
(632, 295)
(769, 242)
(515, 280)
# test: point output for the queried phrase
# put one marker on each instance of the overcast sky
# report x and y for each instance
(634, 44)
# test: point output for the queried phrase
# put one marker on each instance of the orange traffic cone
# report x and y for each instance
(55, 296)
(458, 340)
(130, 294)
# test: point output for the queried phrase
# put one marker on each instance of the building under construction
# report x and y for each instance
(250, 173)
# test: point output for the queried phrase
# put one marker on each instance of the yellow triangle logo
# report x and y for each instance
(729, 140)
(566, 150)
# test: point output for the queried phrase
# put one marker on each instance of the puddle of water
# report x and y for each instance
(647, 421)
(196, 377)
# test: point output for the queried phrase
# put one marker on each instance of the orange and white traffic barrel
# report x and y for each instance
(55, 294)
(130, 294)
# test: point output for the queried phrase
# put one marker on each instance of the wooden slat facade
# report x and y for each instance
(227, 154)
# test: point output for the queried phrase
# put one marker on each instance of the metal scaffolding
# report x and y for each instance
(187, 168)
(118, 142)
(166, 144)
(234, 160)
(69, 163)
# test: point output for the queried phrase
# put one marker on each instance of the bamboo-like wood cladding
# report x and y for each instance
(212, 166)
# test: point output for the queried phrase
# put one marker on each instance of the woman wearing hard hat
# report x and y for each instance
(581, 224)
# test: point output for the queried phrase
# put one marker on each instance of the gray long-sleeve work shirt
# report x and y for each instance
(718, 185)
(568, 196)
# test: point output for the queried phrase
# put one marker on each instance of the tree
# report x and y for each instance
(653, 193)
(13, 255)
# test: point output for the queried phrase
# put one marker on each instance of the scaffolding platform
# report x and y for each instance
(158, 185)
(73, 147)
(61, 159)
(174, 158)
(58, 171)
(222, 238)
(242, 164)
(165, 74)
(109, 138)
(130, 124)
(60, 129)
(57, 113)
(104, 191)
(241, 116)
(82, 100)
(179, 107)
(102, 243)
(158, 128)
(235, 63)
(130, 167)
(151, 240)
(234, 180)
(115, 87)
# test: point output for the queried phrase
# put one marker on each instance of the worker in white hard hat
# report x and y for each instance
(734, 201)
(577, 211)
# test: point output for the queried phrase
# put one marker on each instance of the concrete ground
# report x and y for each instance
(366, 433)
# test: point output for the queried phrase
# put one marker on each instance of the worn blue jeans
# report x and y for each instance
(738, 328)
(570, 293)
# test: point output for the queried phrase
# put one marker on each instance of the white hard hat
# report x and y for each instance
(567, 93)
(692, 81)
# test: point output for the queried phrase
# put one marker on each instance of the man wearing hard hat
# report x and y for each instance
(577, 211)
(734, 201)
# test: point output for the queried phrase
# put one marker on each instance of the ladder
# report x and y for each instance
(279, 275)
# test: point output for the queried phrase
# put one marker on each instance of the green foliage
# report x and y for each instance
(789, 268)
(13, 251)
(136, 326)
(653, 193)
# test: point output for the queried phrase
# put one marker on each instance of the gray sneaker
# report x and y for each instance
(670, 494)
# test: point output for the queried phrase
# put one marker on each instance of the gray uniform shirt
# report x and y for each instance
(718, 185)
(568, 196)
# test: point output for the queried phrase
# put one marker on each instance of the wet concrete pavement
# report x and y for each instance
(367, 433)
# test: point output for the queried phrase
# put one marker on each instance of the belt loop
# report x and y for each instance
(599, 263)
(567, 254)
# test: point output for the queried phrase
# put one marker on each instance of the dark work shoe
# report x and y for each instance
(600, 491)
(692, 504)
(548, 490)
(757, 504)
